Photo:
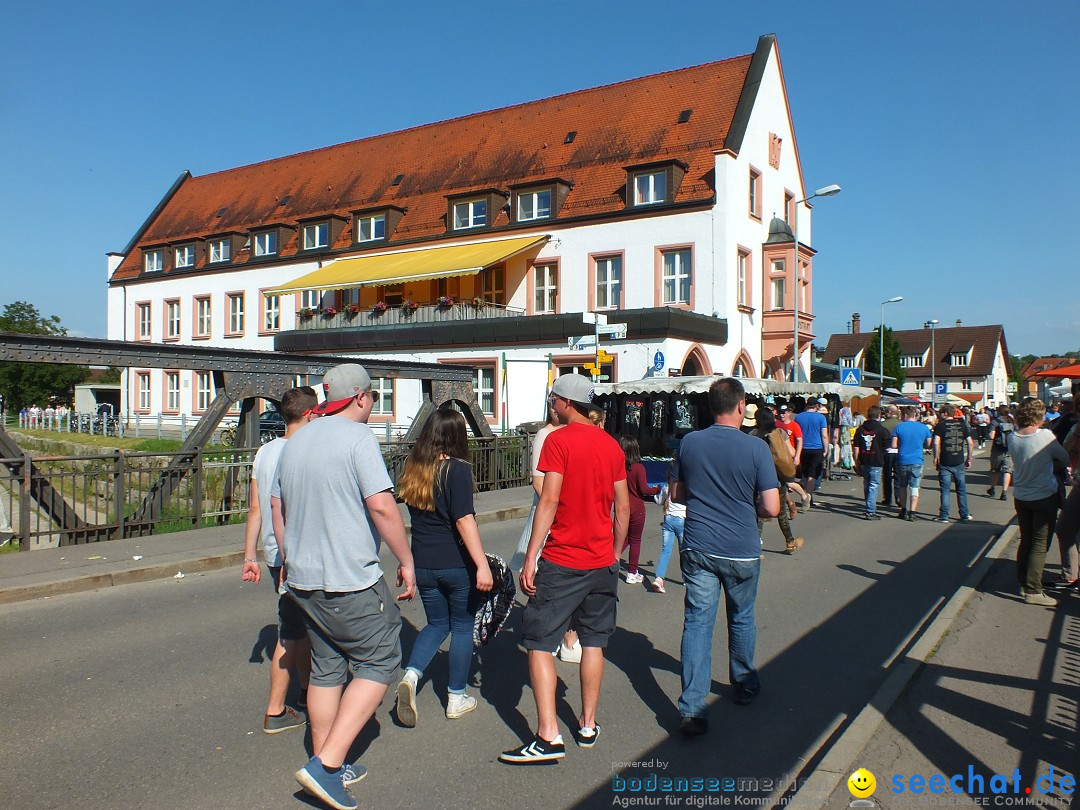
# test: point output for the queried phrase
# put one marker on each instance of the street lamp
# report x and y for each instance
(825, 191)
(881, 332)
(933, 360)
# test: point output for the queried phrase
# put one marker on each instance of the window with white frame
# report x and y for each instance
(310, 299)
(533, 205)
(755, 193)
(958, 358)
(920, 385)
(266, 243)
(847, 362)
(911, 361)
(154, 261)
(779, 290)
(676, 276)
(485, 389)
(371, 228)
(650, 188)
(271, 314)
(742, 283)
(966, 385)
(494, 285)
(202, 316)
(470, 214)
(172, 319)
(236, 314)
(382, 394)
(545, 288)
(220, 250)
(316, 235)
(143, 383)
(185, 256)
(204, 390)
(172, 391)
(609, 282)
(145, 324)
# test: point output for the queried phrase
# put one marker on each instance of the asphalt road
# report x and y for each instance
(152, 693)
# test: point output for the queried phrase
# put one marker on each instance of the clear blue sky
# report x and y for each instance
(950, 126)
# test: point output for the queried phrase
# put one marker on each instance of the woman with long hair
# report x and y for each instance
(640, 491)
(451, 567)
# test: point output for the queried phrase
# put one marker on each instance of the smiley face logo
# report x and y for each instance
(861, 784)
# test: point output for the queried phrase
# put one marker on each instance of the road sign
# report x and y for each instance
(617, 331)
(1010, 387)
(579, 343)
(941, 388)
(603, 356)
(851, 376)
(658, 361)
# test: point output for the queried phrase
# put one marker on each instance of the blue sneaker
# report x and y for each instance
(325, 785)
(351, 774)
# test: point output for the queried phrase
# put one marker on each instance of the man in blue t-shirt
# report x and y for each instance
(727, 479)
(910, 437)
(815, 428)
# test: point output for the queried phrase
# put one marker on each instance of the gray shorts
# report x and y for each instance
(588, 596)
(357, 632)
(1001, 462)
(291, 625)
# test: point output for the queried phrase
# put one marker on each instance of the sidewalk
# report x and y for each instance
(993, 690)
(51, 572)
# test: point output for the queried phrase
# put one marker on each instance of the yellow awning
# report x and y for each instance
(394, 268)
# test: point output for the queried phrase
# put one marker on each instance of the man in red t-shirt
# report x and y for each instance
(584, 476)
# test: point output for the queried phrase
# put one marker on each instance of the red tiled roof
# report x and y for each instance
(983, 342)
(617, 125)
(1042, 364)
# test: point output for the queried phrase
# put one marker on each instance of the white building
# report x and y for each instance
(482, 240)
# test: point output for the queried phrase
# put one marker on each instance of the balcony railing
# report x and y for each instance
(397, 314)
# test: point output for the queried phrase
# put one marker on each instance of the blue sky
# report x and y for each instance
(949, 125)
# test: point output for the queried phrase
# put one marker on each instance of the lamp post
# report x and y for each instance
(881, 333)
(825, 191)
(933, 360)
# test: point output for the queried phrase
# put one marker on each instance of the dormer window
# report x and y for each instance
(265, 243)
(471, 213)
(185, 256)
(220, 250)
(375, 224)
(316, 236)
(154, 261)
(911, 361)
(371, 228)
(533, 204)
(958, 359)
(654, 183)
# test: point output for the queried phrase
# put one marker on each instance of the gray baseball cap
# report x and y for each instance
(574, 387)
(340, 386)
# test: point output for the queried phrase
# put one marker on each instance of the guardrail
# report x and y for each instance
(108, 493)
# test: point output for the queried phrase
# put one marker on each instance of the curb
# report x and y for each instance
(837, 760)
(196, 565)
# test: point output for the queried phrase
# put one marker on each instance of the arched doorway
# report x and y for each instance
(743, 367)
(696, 364)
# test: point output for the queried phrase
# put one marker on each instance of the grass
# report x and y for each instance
(57, 442)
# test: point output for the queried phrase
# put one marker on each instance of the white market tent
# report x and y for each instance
(761, 388)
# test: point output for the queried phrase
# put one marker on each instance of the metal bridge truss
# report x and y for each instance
(239, 376)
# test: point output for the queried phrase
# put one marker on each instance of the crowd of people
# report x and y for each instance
(322, 503)
(51, 417)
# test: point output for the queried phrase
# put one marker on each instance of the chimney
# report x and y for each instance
(959, 322)
(855, 328)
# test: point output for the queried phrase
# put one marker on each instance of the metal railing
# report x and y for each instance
(431, 312)
(112, 495)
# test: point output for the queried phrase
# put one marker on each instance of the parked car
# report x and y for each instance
(271, 426)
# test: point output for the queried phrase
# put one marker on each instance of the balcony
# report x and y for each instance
(403, 315)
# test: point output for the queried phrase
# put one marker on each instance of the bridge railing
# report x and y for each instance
(112, 495)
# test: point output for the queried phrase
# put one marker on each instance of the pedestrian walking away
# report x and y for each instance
(890, 493)
(953, 451)
(292, 651)
(869, 453)
(815, 430)
(578, 574)
(337, 503)
(1001, 463)
(727, 480)
(784, 465)
(640, 491)
(909, 439)
(451, 567)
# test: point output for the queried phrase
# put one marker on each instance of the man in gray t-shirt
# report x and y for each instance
(336, 501)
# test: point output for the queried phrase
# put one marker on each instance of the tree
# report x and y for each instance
(24, 384)
(871, 362)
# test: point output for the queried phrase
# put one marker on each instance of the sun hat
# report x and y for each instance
(340, 386)
(750, 418)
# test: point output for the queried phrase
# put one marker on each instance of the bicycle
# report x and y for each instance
(228, 435)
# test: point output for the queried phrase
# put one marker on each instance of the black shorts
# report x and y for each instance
(587, 596)
(812, 463)
(291, 624)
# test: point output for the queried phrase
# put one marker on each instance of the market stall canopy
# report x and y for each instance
(1066, 373)
(409, 265)
(756, 387)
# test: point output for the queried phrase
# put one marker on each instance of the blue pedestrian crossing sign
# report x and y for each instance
(851, 376)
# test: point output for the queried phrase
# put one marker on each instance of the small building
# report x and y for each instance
(972, 362)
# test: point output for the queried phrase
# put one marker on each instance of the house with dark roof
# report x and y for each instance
(972, 362)
(1032, 384)
(491, 239)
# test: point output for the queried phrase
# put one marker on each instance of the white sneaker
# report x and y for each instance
(406, 700)
(658, 585)
(571, 655)
(458, 705)
(634, 579)
(1040, 599)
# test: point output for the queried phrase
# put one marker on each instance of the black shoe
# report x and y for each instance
(1003, 497)
(902, 514)
(909, 516)
(868, 516)
(744, 696)
(537, 752)
(585, 740)
(694, 726)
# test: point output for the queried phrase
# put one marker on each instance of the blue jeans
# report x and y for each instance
(871, 482)
(704, 577)
(946, 476)
(450, 604)
(670, 531)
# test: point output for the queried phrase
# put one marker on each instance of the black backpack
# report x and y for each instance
(1001, 434)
